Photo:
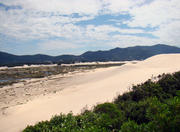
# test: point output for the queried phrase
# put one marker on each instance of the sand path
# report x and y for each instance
(86, 89)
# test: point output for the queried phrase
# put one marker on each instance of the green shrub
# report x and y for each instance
(149, 107)
(130, 126)
(111, 117)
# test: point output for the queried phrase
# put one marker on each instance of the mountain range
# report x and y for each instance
(116, 54)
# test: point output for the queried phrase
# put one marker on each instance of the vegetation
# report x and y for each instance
(148, 107)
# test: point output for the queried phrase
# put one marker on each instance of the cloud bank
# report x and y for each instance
(85, 24)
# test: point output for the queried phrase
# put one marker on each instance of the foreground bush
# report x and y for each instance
(149, 107)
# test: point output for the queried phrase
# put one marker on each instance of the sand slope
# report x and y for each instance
(87, 89)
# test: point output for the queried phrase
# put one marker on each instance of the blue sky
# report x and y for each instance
(57, 27)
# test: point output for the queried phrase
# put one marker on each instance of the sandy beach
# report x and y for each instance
(29, 102)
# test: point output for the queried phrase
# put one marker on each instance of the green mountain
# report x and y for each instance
(116, 54)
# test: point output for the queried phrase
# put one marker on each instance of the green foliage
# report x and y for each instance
(149, 107)
(110, 116)
(164, 116)
(170, 84)
(130, 126)
(135, 110)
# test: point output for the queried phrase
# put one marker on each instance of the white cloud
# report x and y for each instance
(128, 40)
(122, 6)
(156, 13)
(59, 6)
(22, 26)
(162, 14)
(40, 19)
(169, 33)
(102, 32)
(25, 25)
(56, 45)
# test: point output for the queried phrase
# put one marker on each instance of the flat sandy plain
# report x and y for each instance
(39, 99)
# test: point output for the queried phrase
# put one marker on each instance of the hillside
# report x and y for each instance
(130, 53)
(117, 54)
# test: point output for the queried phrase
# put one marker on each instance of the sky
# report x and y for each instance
(56, 27)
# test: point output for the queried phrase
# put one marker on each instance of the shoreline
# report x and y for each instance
(10, 76)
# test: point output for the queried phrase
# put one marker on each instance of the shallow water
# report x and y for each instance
(1, 81)
(11, 79)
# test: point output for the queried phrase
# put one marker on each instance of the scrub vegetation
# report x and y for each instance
(153, 106)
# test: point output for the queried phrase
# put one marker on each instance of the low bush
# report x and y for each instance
(148, 107)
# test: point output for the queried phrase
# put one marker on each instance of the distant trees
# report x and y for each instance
(149, 107)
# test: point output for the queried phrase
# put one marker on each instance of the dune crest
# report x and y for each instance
(162, 61)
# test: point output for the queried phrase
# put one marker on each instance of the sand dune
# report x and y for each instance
(87, 89)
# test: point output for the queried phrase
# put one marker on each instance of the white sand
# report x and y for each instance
(86, 89)
(94, 63)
